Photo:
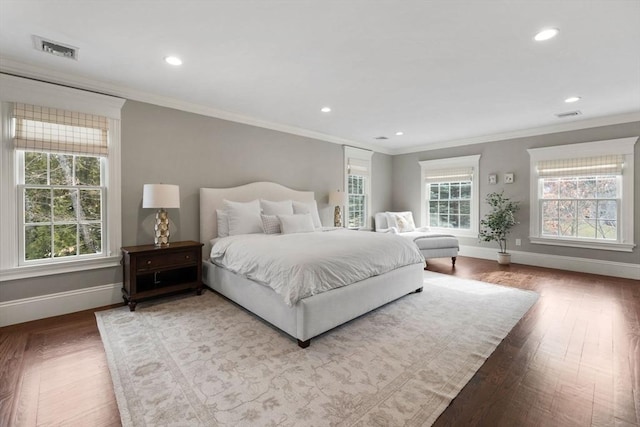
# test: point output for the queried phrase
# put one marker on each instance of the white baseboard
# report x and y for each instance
(40, 307)
(584, 265)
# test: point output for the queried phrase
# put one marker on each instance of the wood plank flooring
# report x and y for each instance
(573, 359)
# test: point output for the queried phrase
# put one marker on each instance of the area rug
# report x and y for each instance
(203, 361)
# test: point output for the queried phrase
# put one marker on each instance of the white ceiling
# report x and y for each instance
(443, 72)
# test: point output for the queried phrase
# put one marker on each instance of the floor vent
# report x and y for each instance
(568, 114)
(55, 48)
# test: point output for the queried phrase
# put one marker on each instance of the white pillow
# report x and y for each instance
(284, 207)
(403, 221)
(300, 223)
(244, 218)
(223, 223)
(271, 224)
(310, 208)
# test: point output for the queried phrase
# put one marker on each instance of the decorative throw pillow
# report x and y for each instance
(284, 207)
(223, 223)
(310, 208)
(271, 224)
(244, 218)
(300, 223)
(403, 221)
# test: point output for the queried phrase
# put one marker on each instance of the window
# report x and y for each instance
(449, 194)
(62, 197)
(358, 184)
(60, 180)
(61, 191)
(357, 201)
(584, 201)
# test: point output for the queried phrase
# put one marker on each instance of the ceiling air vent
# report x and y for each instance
(381, 137)
(55, 48)
(568, 114)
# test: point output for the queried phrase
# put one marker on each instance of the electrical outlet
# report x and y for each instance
(518, 242)
(508, 178)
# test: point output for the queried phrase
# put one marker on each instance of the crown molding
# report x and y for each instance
(20, 69)
(543, 130)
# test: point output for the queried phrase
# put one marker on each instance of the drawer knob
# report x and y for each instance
(149, 262)
(187, 257)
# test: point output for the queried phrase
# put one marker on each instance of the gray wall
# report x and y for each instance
(511, 156)
(162, 145)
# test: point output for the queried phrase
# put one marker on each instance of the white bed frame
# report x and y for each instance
(310, 316)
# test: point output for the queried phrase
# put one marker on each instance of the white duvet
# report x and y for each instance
(303, 264)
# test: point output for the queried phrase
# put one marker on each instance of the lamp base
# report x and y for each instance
(162, 228)
(337, 217)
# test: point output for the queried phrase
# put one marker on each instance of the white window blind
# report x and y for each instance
(586, 166)
(448, 175)
(59, 131)
(357, 167)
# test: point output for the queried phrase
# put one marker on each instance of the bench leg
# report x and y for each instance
(453, 261)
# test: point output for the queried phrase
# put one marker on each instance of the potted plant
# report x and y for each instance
(495, 226)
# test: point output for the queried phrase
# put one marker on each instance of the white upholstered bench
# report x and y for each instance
(431, 245)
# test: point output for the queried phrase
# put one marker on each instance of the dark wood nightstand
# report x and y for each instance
(151, 271)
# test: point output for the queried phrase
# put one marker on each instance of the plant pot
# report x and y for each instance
(504, 258)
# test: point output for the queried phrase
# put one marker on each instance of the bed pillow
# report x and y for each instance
(284, 207)
(403, 221)
(271, 224)
(223, 223)
(244, 218)
(299, 223)
(310, 208)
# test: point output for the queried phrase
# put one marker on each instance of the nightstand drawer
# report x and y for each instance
(169, 260)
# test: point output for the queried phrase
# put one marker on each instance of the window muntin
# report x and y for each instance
(581, 207)
(357, 201)
(449, 204)
(62, 196)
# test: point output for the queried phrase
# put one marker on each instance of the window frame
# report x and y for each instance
(22, 187)
(363, 156)
(621, 146)
(363, 195)
(472, 162)
(18, 89)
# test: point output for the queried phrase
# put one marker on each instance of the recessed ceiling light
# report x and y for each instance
(546, 34)
(173, 60)
(399, 133)
(572, 99)
(325, 109)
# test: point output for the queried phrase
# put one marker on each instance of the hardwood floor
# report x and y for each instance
(573, 359)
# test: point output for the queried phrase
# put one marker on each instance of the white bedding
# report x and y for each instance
(299, 265)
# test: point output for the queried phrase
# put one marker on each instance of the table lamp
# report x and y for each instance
(338, 199)
(161, 197)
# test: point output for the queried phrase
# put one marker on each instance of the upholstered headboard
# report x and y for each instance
(211, 199)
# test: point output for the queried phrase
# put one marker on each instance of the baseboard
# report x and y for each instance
(40, 307)
(585, 265)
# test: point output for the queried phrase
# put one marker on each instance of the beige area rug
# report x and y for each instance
(201, 360)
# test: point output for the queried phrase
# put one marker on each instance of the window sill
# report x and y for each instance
(588, 244)
(25, 272)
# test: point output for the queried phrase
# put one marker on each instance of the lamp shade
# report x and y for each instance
(337, 198)
(161, 196)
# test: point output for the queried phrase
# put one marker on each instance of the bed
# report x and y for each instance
(310, 316)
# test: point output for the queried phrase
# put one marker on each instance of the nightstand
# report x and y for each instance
(150, 271)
